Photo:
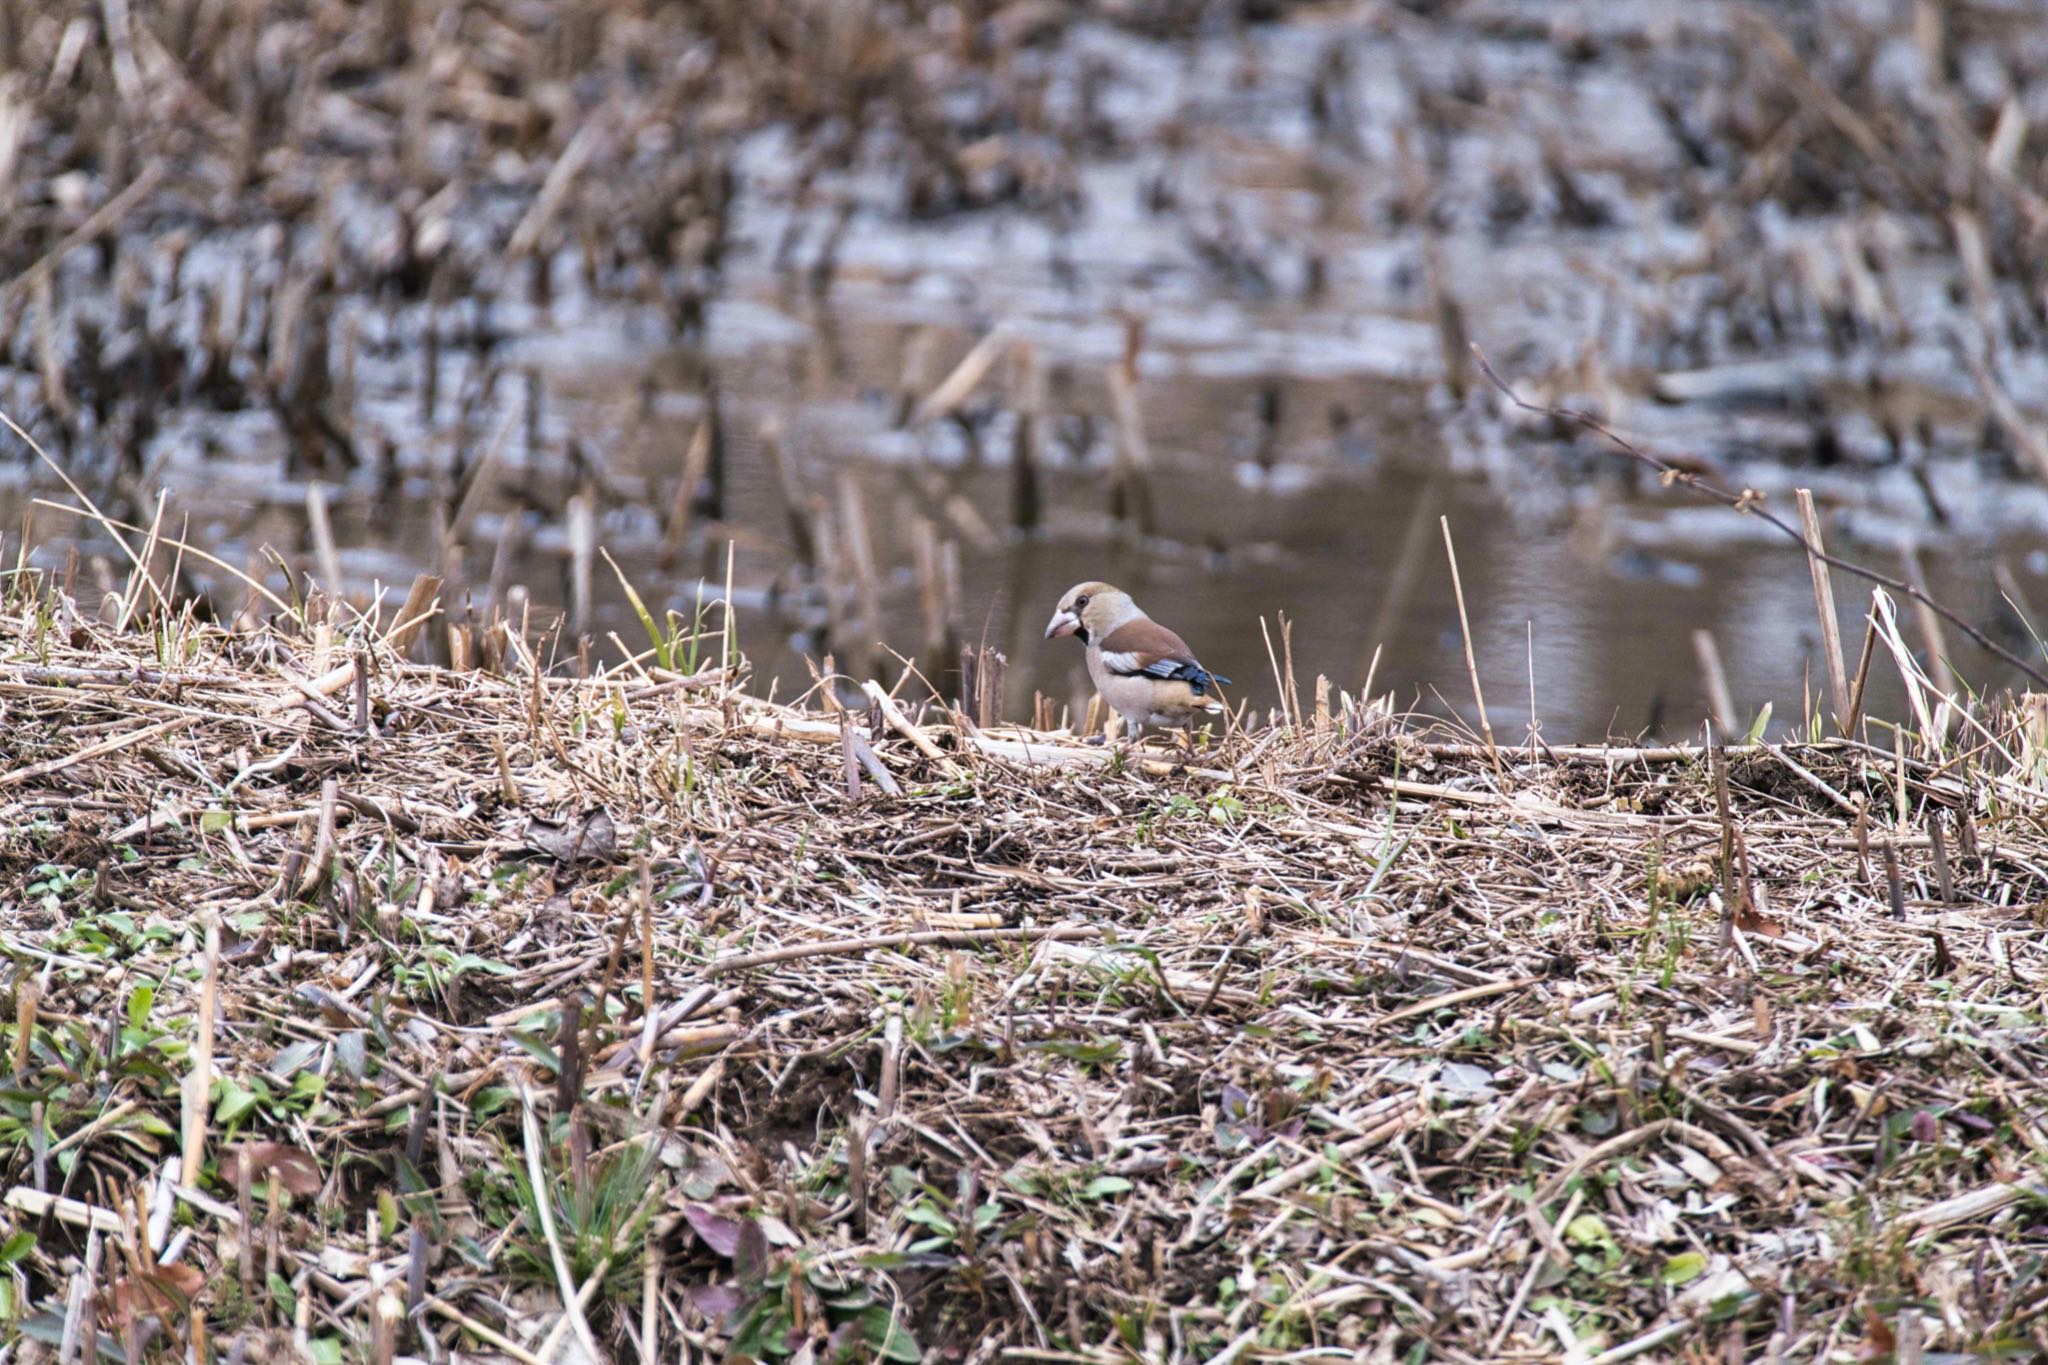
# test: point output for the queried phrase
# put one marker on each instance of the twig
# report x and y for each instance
(36, 771)
(900, 723)
(1842, 803)
(1066, 933)
(543, 1203)
(1648, 1341)
(442, 1308)
(36, 1204)
(1536, 1264)
(1465, 996)
(199, 1081)
(1471, 665)
(1824, 607)
(1750, 502)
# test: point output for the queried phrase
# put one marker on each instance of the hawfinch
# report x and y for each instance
(1144, 671)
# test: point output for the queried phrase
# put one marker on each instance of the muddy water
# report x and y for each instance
(1592, 584)
(1309, 437)
(1581, 584)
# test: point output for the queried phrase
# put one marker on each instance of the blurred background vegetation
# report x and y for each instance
(928, 310)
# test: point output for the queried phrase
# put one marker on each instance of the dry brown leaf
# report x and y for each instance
(166, 1292)
(297, 1169)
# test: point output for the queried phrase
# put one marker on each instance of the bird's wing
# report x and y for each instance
(1144, 648)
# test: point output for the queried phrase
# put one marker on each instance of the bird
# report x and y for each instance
(1145, 672)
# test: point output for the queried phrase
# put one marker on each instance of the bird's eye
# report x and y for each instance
(1080, 602)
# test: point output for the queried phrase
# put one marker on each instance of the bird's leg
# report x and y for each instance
(1119, 736)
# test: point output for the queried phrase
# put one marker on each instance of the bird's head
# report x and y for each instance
(1091, 610)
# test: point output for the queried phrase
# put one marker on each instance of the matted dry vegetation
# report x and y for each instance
(363, 1009)
(865, 1034)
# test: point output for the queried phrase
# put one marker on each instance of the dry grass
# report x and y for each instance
(1333, 1043)
(363, 1009)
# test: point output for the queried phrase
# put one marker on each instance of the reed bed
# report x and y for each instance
(362, 1008)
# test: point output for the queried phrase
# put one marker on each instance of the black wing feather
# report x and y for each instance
(1188, 671)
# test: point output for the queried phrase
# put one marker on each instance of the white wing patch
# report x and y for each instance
(1126, 663)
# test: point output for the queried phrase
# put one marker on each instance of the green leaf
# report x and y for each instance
(1102, 1186)
(326, 1350)
(490, 1100)
(889, 1337)
(1685, 1267)
(140, 1001)
(541, 1052)
(214, 821)
(473, 1252)
(1588, 1230)
(882, 1260)
(931, 1218)
(235, 1104)
(1761, 725)
(663, 655)
(1100, 1052)
(16, 1247)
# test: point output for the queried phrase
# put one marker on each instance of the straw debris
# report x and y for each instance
(537, 1016)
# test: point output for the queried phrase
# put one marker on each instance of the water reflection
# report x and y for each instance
(1572, 591)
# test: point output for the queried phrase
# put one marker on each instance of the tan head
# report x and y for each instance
(1091, 611)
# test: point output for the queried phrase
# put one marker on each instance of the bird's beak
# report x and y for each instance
(1062, 623)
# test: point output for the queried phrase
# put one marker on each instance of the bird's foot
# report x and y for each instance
(1097, 740)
